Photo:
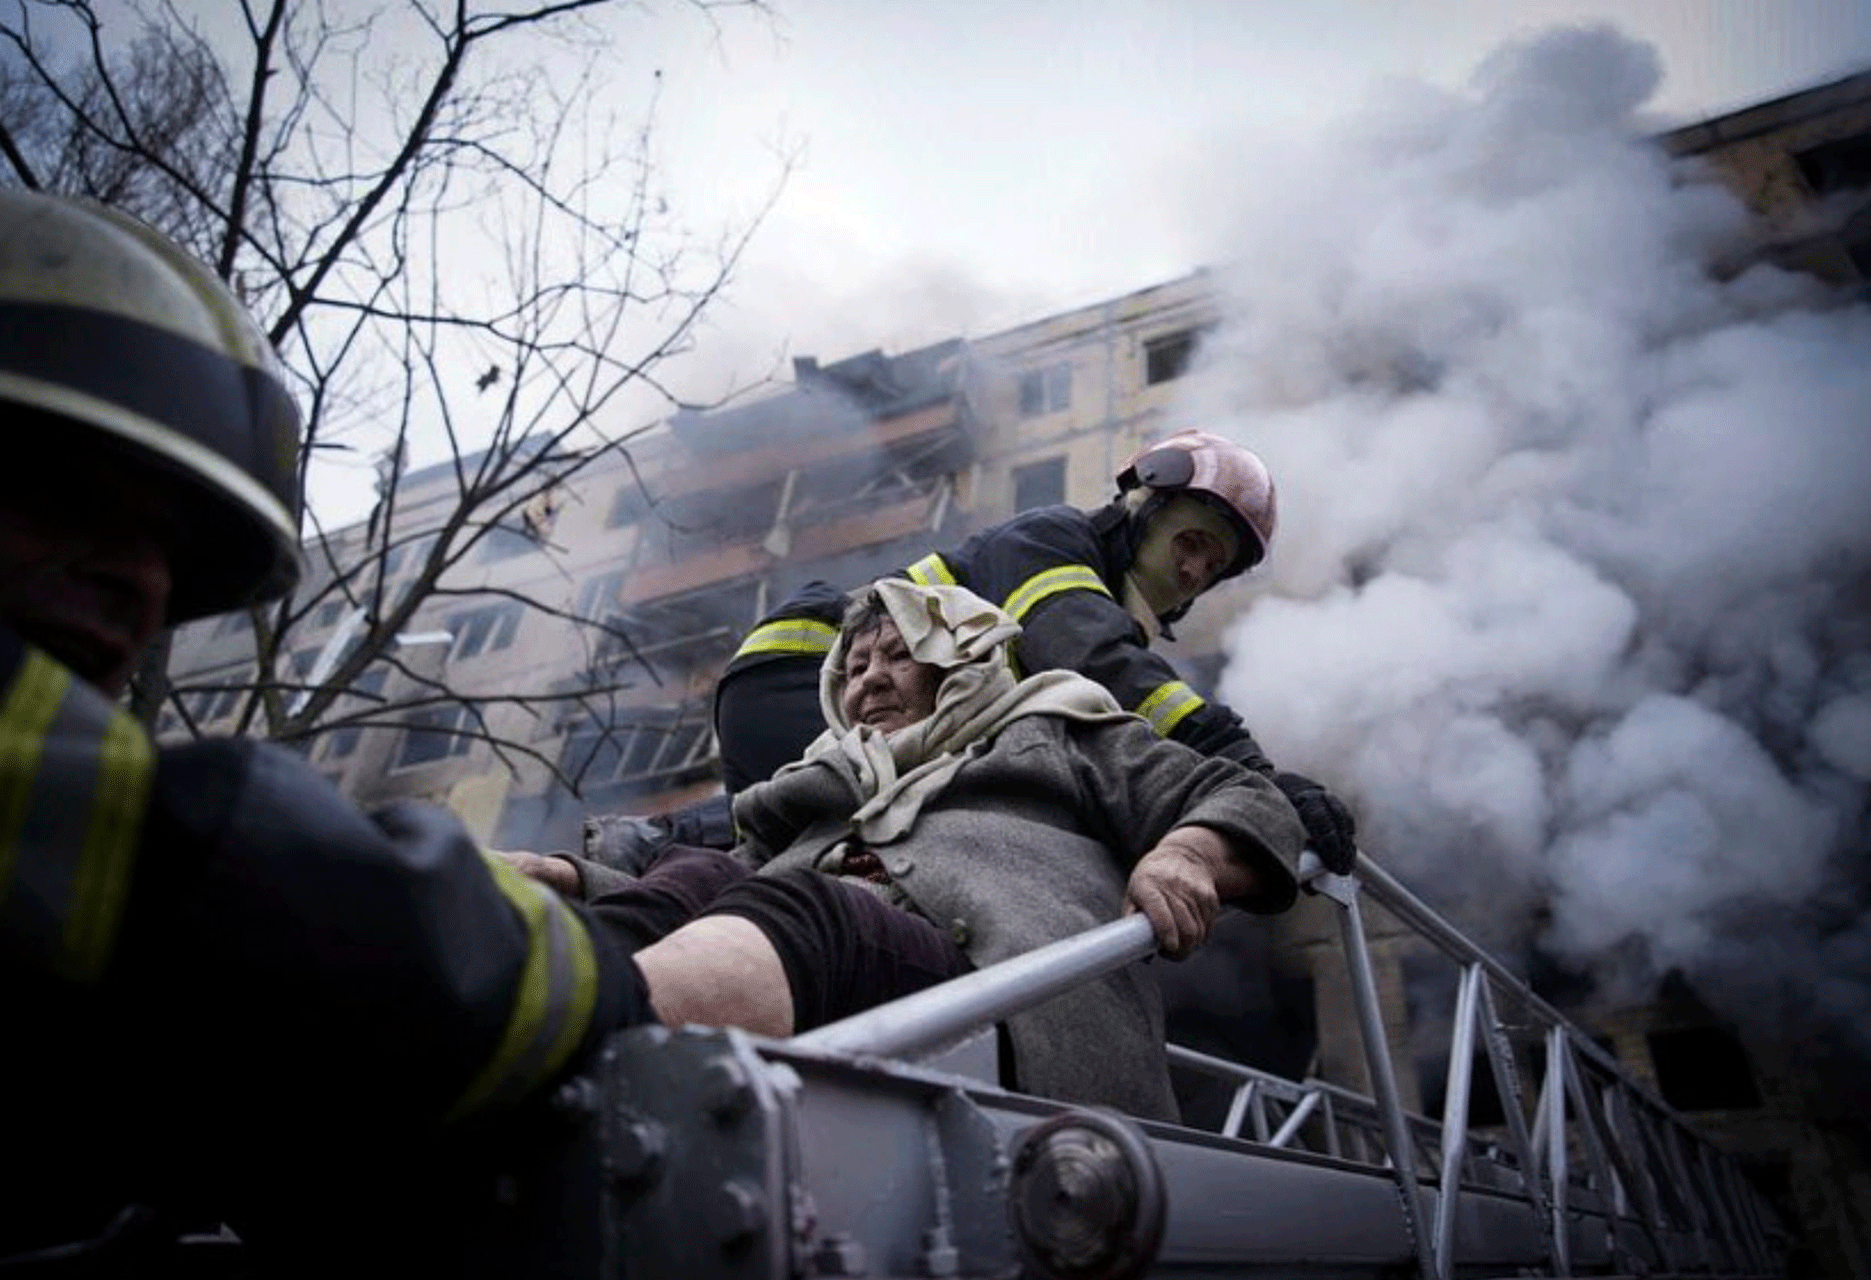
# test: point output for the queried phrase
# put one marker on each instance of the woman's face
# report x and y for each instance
(885, 687)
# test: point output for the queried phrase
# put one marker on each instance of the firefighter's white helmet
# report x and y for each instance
(1219, 472)
(117, 348)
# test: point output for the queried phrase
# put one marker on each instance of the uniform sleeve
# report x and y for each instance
(1144, 787)
(1043, 570)
(384, 957)
(246, 926)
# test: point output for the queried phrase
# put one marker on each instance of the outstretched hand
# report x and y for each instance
(1178, 886)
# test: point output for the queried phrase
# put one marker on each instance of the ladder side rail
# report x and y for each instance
(1455, 1118)
(1397, 1137)
(1505, 1066)
(1708, 1176)
(1237, 1109)
(1586, 1103)
(1748, 1207)
(1633, 1157)
(1292, 1124)
(1333, 1147)
(1348, 1112)
(931, 1019)
(1421, 918)
(1698, 1223)
(1413, 912)
(1553, 1117)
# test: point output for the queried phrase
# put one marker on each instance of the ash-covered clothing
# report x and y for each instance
(1033, 840)
(1058, 571)
(218, 968)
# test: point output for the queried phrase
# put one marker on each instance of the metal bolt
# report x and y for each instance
(636, 1151)
(839, 1255)
(734, 1210)
(724, 1087)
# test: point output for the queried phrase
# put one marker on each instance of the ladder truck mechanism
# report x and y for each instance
(881, 1146)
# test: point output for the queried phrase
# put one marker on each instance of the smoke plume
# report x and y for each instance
(1571, 596)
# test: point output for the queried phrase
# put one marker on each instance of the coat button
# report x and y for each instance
(901, 866)
(959, 931)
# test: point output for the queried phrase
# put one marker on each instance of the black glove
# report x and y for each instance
(1330, 829)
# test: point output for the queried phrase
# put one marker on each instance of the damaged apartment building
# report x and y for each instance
(678, 544)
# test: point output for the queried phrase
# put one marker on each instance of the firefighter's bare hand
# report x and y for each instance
(1174, 885)
(553, 872)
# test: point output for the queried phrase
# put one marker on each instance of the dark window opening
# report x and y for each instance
(367, 691)
(1169, 357)
(1703, 1069)
(484, 630)
(434, 734)
(1039, 484)
(327, 614)
(1047, 390)
(1840, 165)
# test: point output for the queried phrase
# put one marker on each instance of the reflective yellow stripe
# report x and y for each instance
(1051, 582)
(31, 704)
(931, 571)
(793, 635)
(552, 1007)
(1168, 704)
(125, 766)
(75, 774)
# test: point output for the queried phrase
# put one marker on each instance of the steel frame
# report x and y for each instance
(848, 1152)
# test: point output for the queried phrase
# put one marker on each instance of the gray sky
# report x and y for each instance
(968, 165)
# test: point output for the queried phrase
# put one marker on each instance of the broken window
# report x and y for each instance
(1169, 356)
(1039, 484)
(1045, 390)
(1843, 164)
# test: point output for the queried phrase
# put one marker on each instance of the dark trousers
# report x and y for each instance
(844, 949)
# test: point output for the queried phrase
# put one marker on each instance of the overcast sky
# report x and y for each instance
(968, 165)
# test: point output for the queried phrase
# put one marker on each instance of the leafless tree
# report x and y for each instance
(446, 241)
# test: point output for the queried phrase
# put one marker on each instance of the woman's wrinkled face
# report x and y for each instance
(885, 688)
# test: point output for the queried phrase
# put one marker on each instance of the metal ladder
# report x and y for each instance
(882, 1146)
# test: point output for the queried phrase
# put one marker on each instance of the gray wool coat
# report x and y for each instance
(1033, 841)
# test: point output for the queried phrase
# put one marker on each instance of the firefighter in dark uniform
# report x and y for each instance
(1092, 590)
(231, 996)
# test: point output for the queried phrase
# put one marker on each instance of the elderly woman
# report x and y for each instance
(953, 816)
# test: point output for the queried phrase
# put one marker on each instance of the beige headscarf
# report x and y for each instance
(952, 628)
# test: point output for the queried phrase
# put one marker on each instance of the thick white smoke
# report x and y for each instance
(1572, 597)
